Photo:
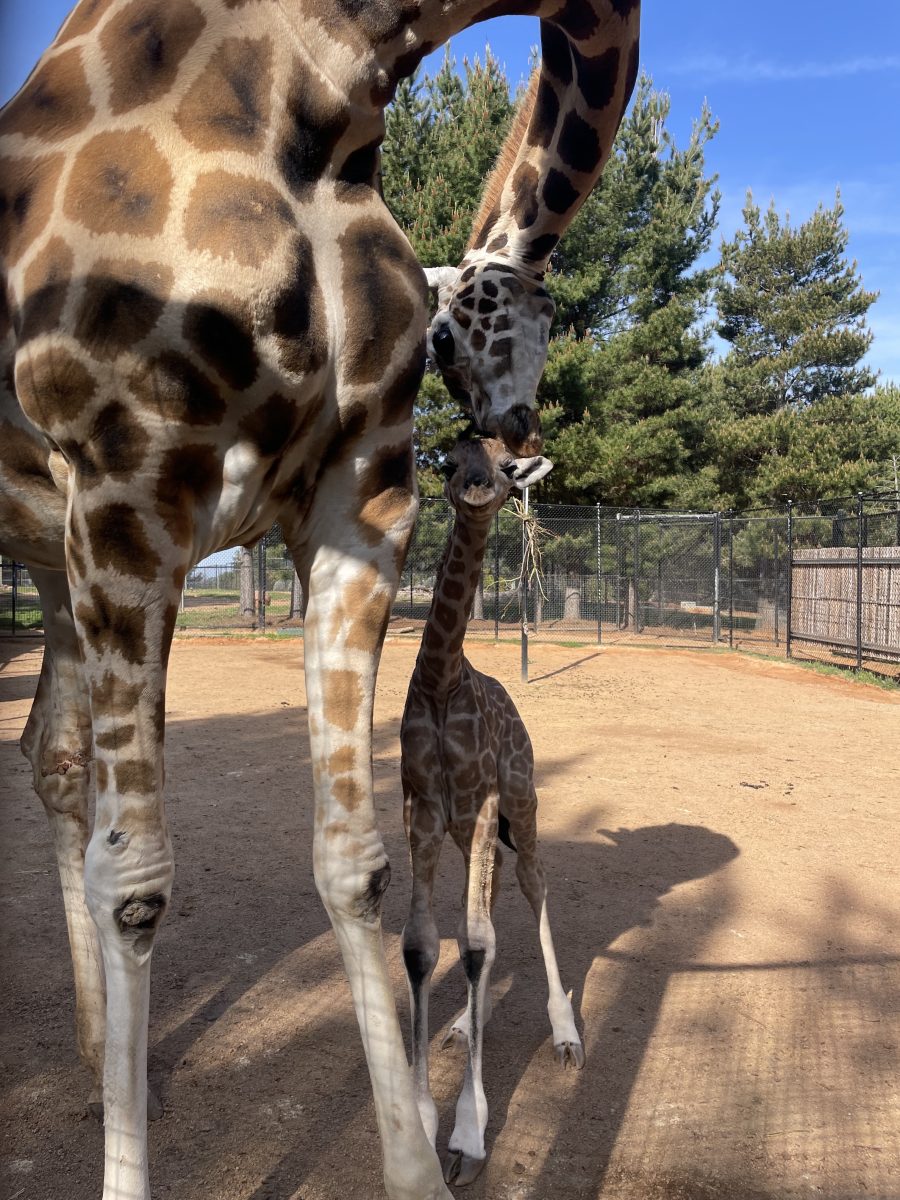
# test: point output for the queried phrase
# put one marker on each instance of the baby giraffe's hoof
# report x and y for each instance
(461, 1168)
(569, 1054)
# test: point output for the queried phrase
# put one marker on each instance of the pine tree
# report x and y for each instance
(793, 312)
(623, 389)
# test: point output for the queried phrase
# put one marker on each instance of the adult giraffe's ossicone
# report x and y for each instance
(210, 321)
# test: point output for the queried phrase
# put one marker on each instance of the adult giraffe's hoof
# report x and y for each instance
(455, 1036)
(461, 1168)
(569, 1054)
(155, 1109)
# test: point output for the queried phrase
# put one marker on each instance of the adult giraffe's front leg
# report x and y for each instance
(355, 545)
(57, 742)
(125, 576)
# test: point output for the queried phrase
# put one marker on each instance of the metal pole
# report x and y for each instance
(637, 561)
(523, 594)
(15, 593)
(790, 578)
(775, 536)
(731, 580)
(599, 578)
(859, 579)
(497, 577)
(717, 563)
(412, 554)
(262, 584)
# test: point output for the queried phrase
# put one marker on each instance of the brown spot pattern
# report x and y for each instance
(120, 183)
(298, 314)
(138, 776)
(115, 446)
(44, 292)
(115, 739)
(236, 217)
(119, 541)
(111, 627)
(219, 327)
(347, 792)
(144, 45)
(172, 386)
(343, 698)
(227, 106)
(342, 760)
(27, 191)
(114, 697)
(187, 476)
(120, 305)
(386, 492)
(54, 103)
(377, 267)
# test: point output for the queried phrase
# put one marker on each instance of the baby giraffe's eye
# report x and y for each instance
(448, 468)
(509, 468)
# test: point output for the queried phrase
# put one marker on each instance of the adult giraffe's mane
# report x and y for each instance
(493, 189)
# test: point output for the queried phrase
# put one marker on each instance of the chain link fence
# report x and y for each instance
(817, 581)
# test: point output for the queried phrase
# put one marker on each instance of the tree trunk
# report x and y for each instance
(478, 601)
(572, 603)
(248, 605)
(296, 609)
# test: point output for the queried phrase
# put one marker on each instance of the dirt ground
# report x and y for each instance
(721, 841)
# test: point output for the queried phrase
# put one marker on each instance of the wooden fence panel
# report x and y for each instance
(824, 598)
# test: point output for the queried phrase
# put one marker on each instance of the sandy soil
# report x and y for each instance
(720, 836)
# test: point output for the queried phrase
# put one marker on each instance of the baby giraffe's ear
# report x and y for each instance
(530, 470)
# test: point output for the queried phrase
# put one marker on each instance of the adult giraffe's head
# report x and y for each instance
(489, 340)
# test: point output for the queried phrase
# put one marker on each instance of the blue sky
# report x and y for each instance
(807, 93)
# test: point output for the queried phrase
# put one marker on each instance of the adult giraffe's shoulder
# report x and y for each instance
(209, 320)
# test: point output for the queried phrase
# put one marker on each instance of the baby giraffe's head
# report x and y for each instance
(480, 473)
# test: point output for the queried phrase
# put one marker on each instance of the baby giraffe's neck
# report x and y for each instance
(440, 660)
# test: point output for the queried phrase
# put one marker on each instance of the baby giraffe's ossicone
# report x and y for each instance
(468, 769)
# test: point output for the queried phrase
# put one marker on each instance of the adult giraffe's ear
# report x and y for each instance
(440, 280)
(531, 470)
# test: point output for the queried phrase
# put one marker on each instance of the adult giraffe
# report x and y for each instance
(209, 321)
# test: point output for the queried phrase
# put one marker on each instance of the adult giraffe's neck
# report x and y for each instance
(560, 143)
(440, 659)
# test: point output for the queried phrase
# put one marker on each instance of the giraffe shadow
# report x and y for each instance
(617, 887)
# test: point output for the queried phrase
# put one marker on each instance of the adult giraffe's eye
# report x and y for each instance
(444, 346)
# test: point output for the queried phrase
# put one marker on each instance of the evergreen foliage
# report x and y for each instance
(635, 409)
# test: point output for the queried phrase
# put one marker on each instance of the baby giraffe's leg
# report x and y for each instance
(421, 945)
(530, 873)
(466, 1153)
(458, 1033)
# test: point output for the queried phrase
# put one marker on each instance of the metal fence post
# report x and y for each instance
(599, 579)
(497, 577)
(731, 579)
(777, 590)
(523, 592)
(637, 567)
(790, 578)
(859, 579)
(262, 584)
(717, 566)
(15, 593)
(412, 559)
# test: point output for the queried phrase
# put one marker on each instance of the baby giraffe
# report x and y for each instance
(468, 768)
